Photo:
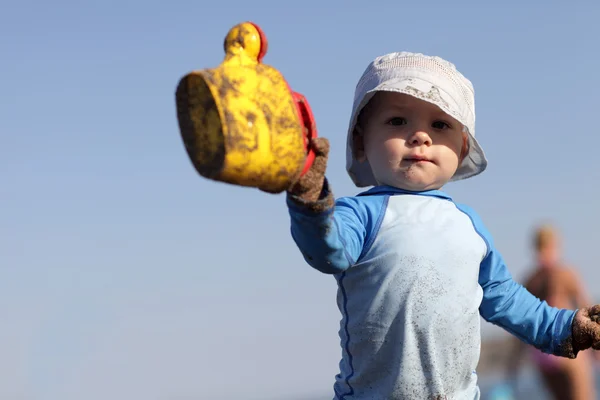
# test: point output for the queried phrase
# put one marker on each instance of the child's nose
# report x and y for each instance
(419, 138)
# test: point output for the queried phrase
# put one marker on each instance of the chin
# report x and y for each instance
(418, 182)
(415, 181)
(414, 185)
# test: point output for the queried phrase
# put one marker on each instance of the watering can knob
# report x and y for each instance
(246, 40)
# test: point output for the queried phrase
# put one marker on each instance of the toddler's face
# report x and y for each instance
(410, 144)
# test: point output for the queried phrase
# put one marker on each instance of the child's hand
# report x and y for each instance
(309, 188)
(586, 328)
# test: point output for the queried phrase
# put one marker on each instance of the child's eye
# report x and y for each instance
(397, 121)
(440, 125)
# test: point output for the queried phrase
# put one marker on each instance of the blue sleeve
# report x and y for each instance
(333, 240)
(512, 307)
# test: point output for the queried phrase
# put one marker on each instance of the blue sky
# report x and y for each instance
(125, 275)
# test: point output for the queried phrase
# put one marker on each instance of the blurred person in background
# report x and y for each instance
(560, 286)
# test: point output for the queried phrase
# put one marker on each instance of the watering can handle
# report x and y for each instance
(310, 128)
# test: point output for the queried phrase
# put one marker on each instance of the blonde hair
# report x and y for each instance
(544, 236)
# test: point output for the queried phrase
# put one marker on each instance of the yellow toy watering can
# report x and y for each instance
(241, 123)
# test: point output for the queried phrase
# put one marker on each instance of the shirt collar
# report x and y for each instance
(390, 190)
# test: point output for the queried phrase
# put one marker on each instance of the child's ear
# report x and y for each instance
(465, 147)
(359, 144)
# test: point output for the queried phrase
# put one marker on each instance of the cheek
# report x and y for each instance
(458, 144)
(390, 149)
(384, 149)
(451, 152)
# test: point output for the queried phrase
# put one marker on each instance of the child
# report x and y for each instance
(415, 270)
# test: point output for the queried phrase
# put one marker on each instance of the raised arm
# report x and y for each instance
(330, 240)
(330, 235)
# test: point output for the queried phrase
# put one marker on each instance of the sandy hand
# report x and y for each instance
(586, 328)
(309, 187)
(311, 191)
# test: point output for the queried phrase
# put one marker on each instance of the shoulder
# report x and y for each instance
(363, 214)
(364, 207)
(568, 273)
(477, 222)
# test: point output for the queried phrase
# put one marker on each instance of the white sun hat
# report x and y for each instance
(428, 78)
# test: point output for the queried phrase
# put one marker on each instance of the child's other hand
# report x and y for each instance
(586, 328)
(309, 188)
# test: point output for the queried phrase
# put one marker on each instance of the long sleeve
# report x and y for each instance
(333, 240)
(509, 305)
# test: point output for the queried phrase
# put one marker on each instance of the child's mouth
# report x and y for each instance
(418, 159)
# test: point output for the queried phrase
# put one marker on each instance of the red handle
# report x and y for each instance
(310, 128)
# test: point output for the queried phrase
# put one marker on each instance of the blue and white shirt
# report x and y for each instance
(415, 271)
